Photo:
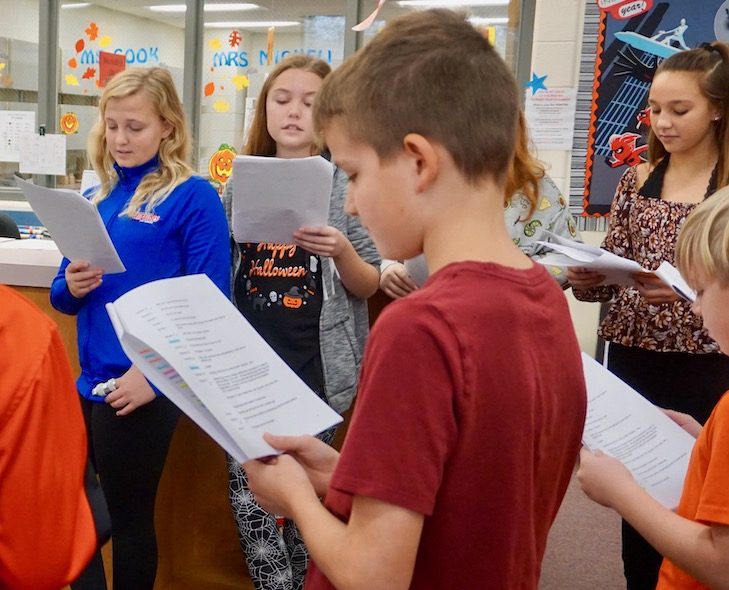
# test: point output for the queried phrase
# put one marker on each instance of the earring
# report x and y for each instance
(716, 118)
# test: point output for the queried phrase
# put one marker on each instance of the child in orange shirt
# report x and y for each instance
(694, 540)
(47, 531)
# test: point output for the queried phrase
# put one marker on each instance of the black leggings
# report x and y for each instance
(689, 383)
(129, 454)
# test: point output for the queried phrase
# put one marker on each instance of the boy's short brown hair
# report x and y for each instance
(431, 73)
(702, 249)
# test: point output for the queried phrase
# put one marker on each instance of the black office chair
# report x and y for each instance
(8, 227)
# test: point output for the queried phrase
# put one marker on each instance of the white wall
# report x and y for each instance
(556, 53)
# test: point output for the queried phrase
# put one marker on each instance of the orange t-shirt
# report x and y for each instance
(705, 496)
(47, 533)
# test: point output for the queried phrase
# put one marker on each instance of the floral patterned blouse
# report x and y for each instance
(644, 228)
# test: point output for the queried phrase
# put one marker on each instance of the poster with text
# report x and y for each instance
(635, 36)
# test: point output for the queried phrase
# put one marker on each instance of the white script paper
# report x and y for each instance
(273, 197)
(74, 224)
(195, 346)
(622, 423)
(617, 270)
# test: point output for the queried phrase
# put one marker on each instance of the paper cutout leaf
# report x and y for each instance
(234, 39)
(209, 88)
(72, 63)
(80, 45)
(221, 106)
(270, 40)
(240, 82)
(92, 31)
(105, 41)
(367, 23)
(215, 44)
(89, 73)
(71, 80)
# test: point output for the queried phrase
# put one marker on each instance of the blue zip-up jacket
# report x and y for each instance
(185, 234)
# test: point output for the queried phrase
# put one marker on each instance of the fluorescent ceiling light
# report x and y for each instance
(209, 7)
(451, 3)
(76, 5)
(481, 21)
(251, 24)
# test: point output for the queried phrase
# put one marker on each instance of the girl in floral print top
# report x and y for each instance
(657, 344)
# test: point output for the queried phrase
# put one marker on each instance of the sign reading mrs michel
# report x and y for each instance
(241, 59)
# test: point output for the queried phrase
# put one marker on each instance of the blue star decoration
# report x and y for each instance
(536, 83)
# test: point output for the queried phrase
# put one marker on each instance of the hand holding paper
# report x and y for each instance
(274, 197)
(669, 274)
(193, 344)
(623, 424)
(602, 477)
(82, 278)
(616, 269)
(316, 457)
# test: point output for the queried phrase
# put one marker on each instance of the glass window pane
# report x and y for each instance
(142, 37)
(240, 47)
(499, 19)
(18, 81)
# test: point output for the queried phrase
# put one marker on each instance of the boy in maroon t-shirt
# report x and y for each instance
(472, 399)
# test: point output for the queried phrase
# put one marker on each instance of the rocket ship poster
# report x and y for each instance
(634, 37)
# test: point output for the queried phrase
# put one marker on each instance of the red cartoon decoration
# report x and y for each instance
(624, 150)
(644, 117)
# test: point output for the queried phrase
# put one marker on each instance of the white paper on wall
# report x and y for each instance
(14, 126)
(43, 154)
(550, 115)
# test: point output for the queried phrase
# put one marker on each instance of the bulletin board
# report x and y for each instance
(633, 37)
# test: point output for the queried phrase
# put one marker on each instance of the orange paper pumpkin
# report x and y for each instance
(220, 166)
(69, 123)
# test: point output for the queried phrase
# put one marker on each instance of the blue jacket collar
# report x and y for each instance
(131, 177)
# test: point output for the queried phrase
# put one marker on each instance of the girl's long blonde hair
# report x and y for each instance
(156, 84)
(260, 142)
